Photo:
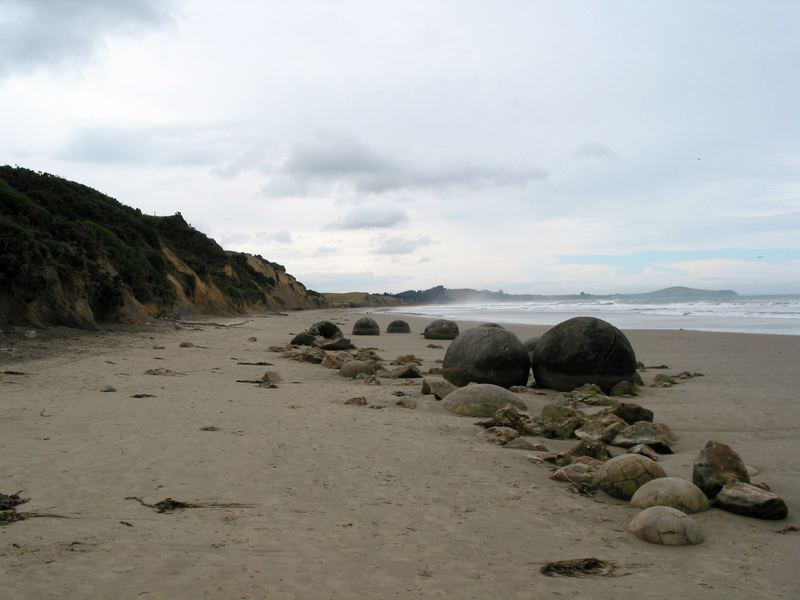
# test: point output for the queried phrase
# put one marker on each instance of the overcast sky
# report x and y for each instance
(529, 146)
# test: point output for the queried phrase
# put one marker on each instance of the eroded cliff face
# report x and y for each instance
(72, 256)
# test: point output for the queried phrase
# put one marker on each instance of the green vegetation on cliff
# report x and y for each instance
(71, 255)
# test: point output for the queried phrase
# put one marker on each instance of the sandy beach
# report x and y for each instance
(338, 501)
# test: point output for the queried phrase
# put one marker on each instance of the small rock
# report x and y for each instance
(159, 347)
(435, 346)
(108, 388)
(751, 501)
(511, 416)
(665, 525)
(438, 386)
(410, 371)
(603, 429)
(575, 472)
(663, 380)
(406, 359)
(252, 339)
(593, 449)
(357, 401)
(644, 450)
(630, 412)
(406, 403)
(521, 443)
(558, 459)
(561, 421)
(499, 435)
(31, 334)
(271, 377)
(642, 433)
(186, 345)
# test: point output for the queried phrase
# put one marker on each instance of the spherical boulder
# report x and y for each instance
(366, 326)
(583, 350)
(398, 326)
(621, 476)
(665, 525)
(325, 329)
(441, 329)
(480, 400)
(491, 325)
(671, 491)
(486, 355)
(303, 339)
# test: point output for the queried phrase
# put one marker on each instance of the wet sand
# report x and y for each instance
(353, 502)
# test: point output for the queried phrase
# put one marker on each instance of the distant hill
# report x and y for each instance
(443, 295)
(72, 256)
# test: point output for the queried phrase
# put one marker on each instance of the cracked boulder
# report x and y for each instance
(583, 350)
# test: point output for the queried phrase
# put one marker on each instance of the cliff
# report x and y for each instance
(72, 256)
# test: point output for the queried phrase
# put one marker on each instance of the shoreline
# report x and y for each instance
(347, 502)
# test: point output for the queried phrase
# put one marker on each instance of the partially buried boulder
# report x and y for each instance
(671, 491)
(366, 326)
(441, 329)
(621, 476)
(583, 350)
(665, 525)
(398, 326)
(716, 465)
(480, 400)
(486, 355)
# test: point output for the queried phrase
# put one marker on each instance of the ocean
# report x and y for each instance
(778, 315)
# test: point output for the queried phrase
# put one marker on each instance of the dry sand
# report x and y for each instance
(350, 502)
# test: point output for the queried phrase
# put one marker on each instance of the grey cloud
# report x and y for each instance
(594, 150)
(402, 244)
(348, 162)
(159, 145)
(282, 236)
(367, 217)
(325, 251)
(234, 238)
(37, 33)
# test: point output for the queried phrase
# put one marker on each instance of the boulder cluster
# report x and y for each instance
(486, 373)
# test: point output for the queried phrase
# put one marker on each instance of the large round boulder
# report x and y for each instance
(480, 400)
(665, 525)
(398, 326)
(486, 355)
(583, 350)
(671, 491)
(621, 476)
(366, 326)
(441, 329)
